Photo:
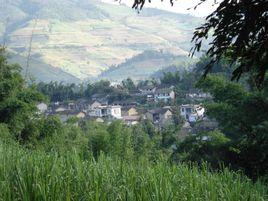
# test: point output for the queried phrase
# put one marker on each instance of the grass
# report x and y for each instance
(35, 175)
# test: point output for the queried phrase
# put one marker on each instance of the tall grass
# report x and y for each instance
(39, 176)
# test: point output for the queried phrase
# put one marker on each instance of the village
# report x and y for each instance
(160, 108)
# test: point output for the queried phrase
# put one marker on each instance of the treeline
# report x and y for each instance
(65, 92)
(183, 83)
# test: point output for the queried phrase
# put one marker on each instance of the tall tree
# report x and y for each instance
(242, 116)
(17, 101)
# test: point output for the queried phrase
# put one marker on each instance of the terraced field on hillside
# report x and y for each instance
(85, 38)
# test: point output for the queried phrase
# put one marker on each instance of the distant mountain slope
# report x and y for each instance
(86, 37)
(145, 65)
(42, 71)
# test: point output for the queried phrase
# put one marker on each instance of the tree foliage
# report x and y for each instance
(17, 100)
(239, 31)
(242, 116)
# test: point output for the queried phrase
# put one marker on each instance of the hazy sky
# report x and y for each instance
(180, 6)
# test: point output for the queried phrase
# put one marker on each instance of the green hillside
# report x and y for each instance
(42, 71)
(144, 65)
(84, 38)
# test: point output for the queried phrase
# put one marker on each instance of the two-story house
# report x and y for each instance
(164, 95)
(160, 116)
(131, 116)
(192, 112)
(113, 111)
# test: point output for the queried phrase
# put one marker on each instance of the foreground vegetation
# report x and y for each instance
(34, 175)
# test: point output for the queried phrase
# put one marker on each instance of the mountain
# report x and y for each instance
(146, 64)
(41, 71)
(83, 38)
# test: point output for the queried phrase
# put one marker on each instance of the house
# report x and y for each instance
(42, 107)
(113, 111)
(94, 104)
(129, 111)
(198, 96)
(147, 90)
(61, 109)
(131, 120)
(126, 103)
(205, 125)
(192, 112)
(160, 116)
(81, 115)
(67, 114)
(150, 98)
(81, 104)
(131, 116)
(164, 95)
(72, 106)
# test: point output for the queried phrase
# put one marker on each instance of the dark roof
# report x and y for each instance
(126, 108)
(147, 87)
(94, 101)
(70, 112)
(99, 96)
(164, 90)
(131, 118)
(130, 103)
(159, 111)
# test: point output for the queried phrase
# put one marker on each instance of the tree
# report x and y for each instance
(242, 117)
(211, 147)
(17, 100)
(119, 139)
(239, 31)
(98, 142)
(141, 142)
(170, 78)
(50, 126)
(129, 84)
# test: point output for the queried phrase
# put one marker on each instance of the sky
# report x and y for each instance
(180, 6)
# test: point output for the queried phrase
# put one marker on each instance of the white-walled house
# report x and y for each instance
(164, 95)
(113, 111)
(192, 112)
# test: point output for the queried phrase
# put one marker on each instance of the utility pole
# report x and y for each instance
(30, 50)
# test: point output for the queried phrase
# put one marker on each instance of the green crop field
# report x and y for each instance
(35, 175)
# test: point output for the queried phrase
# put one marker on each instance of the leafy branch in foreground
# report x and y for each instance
(239, 31)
